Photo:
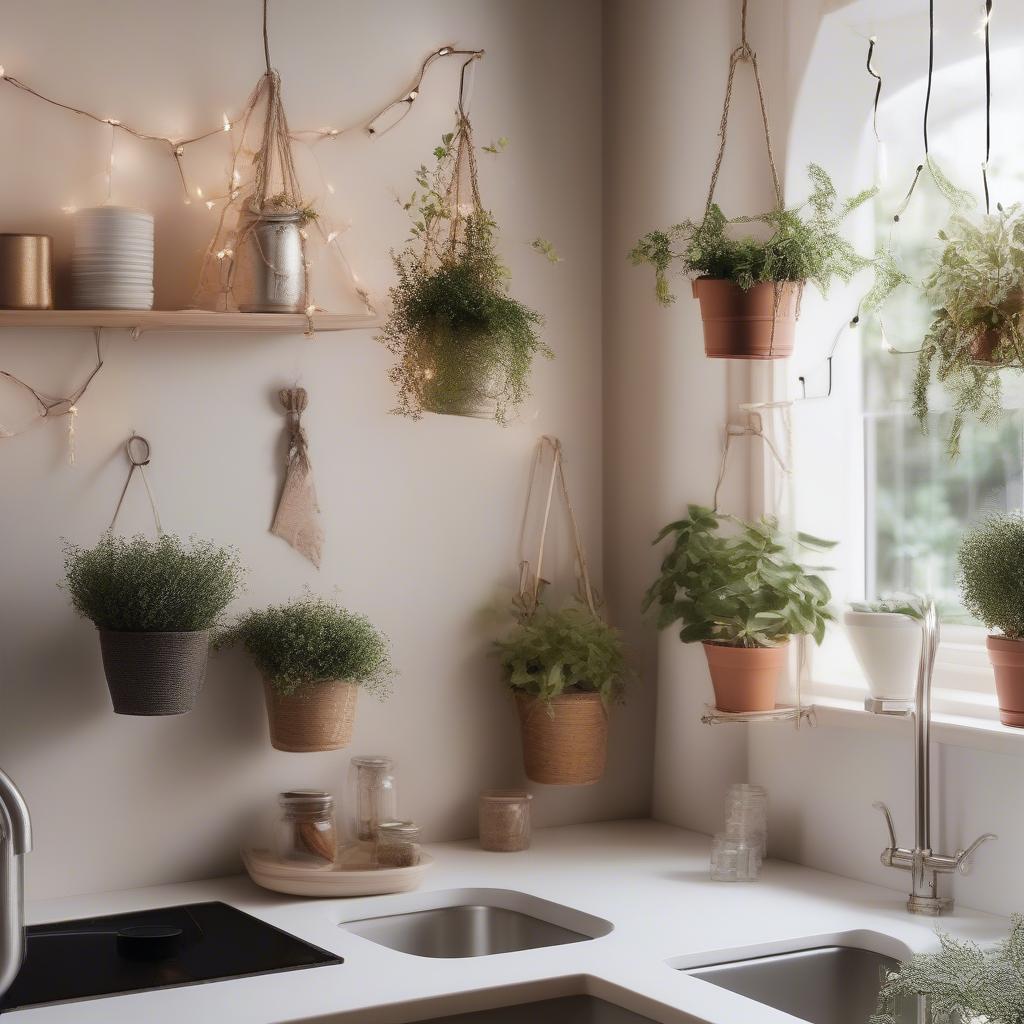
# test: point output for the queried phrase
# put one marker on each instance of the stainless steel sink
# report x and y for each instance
(567, 1010)
(453, 932)
(827, 985)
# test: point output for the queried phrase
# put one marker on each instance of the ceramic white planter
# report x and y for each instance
(888, 649)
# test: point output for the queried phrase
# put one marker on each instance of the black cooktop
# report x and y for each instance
(149, 949)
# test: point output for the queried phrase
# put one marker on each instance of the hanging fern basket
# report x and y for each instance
(747, 323)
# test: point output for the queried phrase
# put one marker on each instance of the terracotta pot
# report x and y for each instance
(565, 740)
(983, 347)
(154, 673)
(745, 678)
(1007, 657)
(319, 716)
(738, 322)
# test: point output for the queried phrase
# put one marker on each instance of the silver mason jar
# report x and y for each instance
(270, 268)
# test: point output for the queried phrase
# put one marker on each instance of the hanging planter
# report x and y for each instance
(750, 289)
(315, 657)
(154, 603)
(977, 287)
(886, 639)
(991, 577)
(565, 667)
(742, 596)
(464, 345)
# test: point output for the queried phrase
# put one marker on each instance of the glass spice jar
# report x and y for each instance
(398, 844)
(305, 831)
(505, 820)
(376, 795)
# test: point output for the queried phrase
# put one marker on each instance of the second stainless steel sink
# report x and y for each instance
(480, 922)
(826, 985)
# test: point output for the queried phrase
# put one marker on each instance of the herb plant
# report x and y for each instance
(284, 202)
(311, 640)
(990, 572)
(910, 605)
(739, 590)
(139, 585)
(461, 340)
(964, 981)
(977, 291)
(805, 244)
(565, 651)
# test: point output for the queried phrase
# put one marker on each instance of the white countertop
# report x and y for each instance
(649, 880)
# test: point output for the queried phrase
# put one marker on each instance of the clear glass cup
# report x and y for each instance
(504, 820)
(735, 858)
(746, 812)
(397, 844)
(305, 831)
(375, 794)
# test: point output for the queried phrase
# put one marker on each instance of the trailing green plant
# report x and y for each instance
(460, 338)
(311, 640)
(139, 585)
(990, 572)
(741, 589)
(977, 290)
(911, 605)
(805, 244)
(570, 650)
(964, 981)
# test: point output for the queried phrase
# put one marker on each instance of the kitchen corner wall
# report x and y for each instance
(421, 518)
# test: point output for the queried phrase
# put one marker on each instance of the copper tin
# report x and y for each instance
(26, 272)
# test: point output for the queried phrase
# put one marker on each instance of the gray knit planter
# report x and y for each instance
(154, 673)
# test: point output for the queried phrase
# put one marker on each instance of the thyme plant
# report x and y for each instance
(565, 651)
(964, 981)
(139, 585)
(805, 244)
(312, 640)
(990, 572)
(977, 290)
(739, 590)
(461, 340)
(911, 605)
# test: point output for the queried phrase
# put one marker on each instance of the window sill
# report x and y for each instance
(951, 730)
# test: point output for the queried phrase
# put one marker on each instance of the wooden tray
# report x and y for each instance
(332, 882)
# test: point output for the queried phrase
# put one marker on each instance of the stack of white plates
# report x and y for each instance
(112, 264)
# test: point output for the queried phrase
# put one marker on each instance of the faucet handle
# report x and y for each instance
(878, 805)
(963, 856)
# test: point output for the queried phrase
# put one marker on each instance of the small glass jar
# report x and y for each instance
(376, 795)
(305, 831)
(735, 858)
(398, 844)
(505, 820)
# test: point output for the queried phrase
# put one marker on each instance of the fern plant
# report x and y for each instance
(742, 589)
(977, 291)
(805, 244)
(566, 651)
(461, 340)
(963, 981)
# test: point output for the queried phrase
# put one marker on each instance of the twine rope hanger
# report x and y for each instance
(745, 53)
(532, 582)
(138, 450)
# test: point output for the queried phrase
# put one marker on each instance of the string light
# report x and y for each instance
(227, 123)
(210, 204)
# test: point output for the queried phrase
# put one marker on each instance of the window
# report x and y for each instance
(864, 473)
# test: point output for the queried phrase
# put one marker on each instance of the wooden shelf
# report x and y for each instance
(196, 320)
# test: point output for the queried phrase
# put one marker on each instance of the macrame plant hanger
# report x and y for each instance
(799, 712)
(531, 579)
(139, 456)
(745, 53)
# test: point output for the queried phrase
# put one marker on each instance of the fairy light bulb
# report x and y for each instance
(331, 236)
(199, 192)
(227, 123)
(209, 204)
(330, 188)
(3, 73)
(112, 121)
(310, 309)
(444, 51)
(179, 150)
(236, 177)
(412, 95)
(69, 209)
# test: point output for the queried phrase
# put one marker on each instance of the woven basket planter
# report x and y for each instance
(154, 673)
(565, 740)
(319, 716)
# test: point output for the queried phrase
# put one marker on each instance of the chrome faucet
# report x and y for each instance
(15, 842)
(924, 865)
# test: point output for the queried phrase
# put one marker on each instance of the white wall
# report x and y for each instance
(666, 405)
(421, 518)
